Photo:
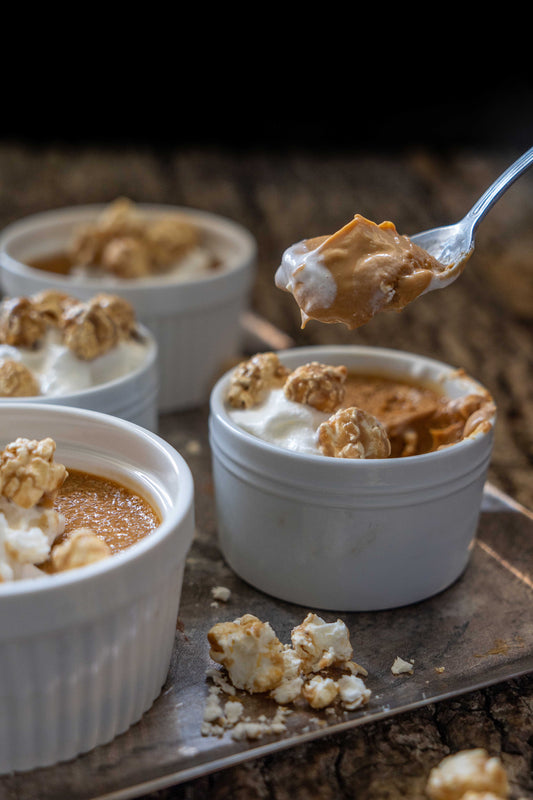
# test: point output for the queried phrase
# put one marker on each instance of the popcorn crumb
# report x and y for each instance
(221, 593)
(233, 711)
(468, 773)
(440, 669)
(193, 447)
(219, 680)
(400, 666)
(320, 692)
(353, 692)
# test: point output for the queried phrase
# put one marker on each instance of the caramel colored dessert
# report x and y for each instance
(124, 244)
(334, 412)
(360, 270)
(118, 515)
(52, 520)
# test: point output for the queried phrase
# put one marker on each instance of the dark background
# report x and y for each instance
(246, 106)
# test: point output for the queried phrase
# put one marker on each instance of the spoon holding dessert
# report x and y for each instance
(364, 267)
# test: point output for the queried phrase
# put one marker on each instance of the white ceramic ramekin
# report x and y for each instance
(196, 323)
(344, 534)
(84, 653)
(132, 397)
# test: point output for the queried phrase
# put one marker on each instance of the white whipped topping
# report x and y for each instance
(282, 422)
(302, 266)
(26, 536)
(195, 265)
(59, 372)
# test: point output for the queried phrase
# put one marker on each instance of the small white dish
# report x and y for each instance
(196, 323)
(348, 534)
(84, 653)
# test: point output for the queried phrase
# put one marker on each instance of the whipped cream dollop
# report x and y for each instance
(282, 422)
(59, 372)
(26, 537)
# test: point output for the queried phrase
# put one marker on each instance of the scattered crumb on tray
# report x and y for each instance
(315, 671)
(401, 666)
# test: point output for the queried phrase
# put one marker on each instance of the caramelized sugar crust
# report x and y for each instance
(114, 512)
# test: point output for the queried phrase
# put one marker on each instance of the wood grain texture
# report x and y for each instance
(483, 322)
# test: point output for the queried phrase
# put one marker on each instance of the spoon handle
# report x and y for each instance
(495, 190)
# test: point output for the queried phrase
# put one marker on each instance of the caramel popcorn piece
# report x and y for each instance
(120, 310)
(16, 380)
(119, 219)
(353, 433)
(80, 548)
(51, 305)
(467, 771)
(89, 330)
(21, 325)
(170, 238)
(28, 472)
(250, 651)
(252, 377)
(126, 257)
(317, 385)
(320, 644)
(320, 692)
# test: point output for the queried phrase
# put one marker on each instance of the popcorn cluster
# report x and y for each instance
(125, 244)
(347, 433)
(317, 668)
(29, 526)
(87, 329)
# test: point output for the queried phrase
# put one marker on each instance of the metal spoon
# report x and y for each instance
(452, 245)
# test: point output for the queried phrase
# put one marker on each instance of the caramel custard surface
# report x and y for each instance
(117, 514)
(60, 264)
(401, 406)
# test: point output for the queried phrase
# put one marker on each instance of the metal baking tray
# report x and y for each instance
(477, 630)
(474, 634)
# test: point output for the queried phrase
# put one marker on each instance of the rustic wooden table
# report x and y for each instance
(483, 322)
